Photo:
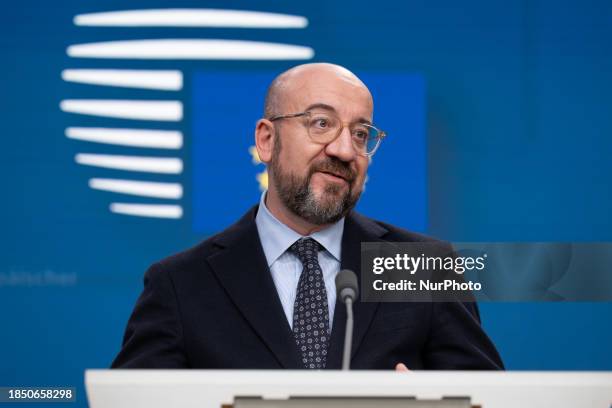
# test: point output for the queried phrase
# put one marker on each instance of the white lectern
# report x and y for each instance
(214, 388)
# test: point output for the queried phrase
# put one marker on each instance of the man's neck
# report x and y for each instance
(291, 220)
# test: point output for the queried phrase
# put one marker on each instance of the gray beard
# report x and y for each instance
(298, 197)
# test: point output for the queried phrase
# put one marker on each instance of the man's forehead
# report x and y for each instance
(318, 79)
(339, 93)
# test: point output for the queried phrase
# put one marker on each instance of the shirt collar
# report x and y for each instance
(276, 237)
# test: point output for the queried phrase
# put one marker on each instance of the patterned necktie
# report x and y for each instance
(310, 311)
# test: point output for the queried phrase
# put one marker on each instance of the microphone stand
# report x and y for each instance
(348, 337)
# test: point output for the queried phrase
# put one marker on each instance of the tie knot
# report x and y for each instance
(305, 249)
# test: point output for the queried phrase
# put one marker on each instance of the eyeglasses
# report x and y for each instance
(324, 128)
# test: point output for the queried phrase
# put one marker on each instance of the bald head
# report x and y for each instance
(285, 85)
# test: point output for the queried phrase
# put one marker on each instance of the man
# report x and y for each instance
(261, 294)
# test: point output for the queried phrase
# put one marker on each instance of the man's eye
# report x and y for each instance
(360, 135)
(320, 123)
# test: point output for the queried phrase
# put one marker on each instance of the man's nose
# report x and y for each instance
(342, 146)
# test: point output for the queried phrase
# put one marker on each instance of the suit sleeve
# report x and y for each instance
(457, 340)
(153, 337)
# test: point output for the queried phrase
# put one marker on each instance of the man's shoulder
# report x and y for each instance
(189, 258)
(196, 256)
(389, 232)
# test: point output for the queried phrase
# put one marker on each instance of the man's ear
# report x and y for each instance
(264, 139)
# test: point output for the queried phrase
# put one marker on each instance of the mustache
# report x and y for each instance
(335, 166)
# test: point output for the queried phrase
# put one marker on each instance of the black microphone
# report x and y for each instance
(347, 290)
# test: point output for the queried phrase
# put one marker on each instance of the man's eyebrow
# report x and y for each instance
(364, 120)
(325, 106)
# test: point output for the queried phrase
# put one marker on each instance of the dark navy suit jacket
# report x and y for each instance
(216, 306)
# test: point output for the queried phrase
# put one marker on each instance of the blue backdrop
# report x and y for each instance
(499, 122)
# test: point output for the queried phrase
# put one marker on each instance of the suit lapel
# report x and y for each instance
(241, 267)
(357, 229)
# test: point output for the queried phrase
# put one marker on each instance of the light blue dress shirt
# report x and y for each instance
(276, 238)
